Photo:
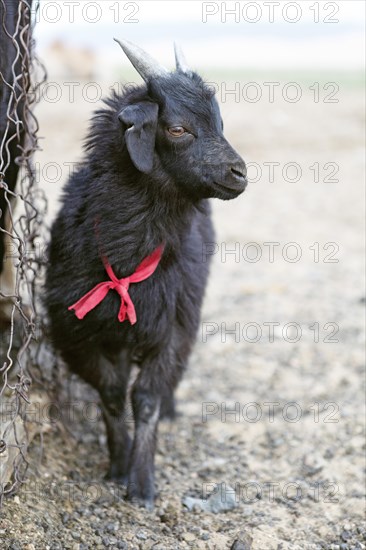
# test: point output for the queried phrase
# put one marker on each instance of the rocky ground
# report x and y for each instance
(267, 452)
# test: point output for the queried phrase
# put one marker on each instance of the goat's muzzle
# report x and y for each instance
(232, 180)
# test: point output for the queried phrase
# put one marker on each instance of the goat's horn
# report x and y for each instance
(180, 60)
(144, 64)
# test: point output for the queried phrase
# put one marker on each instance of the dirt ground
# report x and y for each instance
(271, 417)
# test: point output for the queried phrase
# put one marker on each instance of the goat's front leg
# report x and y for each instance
(113, 394)
(108, 373)
(152, 394)
(146, 409)
(158, 377)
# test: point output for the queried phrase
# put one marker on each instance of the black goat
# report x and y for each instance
(153, 157)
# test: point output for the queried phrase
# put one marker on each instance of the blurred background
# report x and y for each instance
(238, 35)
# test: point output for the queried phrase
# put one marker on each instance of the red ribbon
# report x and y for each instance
(90, 300)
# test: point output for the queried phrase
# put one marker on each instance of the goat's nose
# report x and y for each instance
(239, 174)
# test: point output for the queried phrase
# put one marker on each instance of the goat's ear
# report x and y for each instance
(142, 120)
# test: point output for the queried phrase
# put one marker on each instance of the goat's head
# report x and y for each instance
(177, 128)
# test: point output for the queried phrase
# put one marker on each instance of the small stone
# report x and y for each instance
(243, 543)
(65, 518)
(329, 453)
(140, 535)
(75, 535)
(188, 537)
(221, 500)
(238, 545)
(345, 535)
(191, 503)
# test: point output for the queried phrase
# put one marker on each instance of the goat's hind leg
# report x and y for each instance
(182, 343)
(167, 406)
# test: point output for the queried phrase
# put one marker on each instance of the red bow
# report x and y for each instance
(99, 292)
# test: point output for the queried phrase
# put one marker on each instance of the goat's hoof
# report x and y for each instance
(116, 477)
(141, 496)
(141, 502)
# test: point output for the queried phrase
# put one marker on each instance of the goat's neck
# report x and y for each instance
(137, 219)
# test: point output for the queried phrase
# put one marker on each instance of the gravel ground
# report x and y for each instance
(267, 451)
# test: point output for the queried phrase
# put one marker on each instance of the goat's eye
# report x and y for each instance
(177, 131)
